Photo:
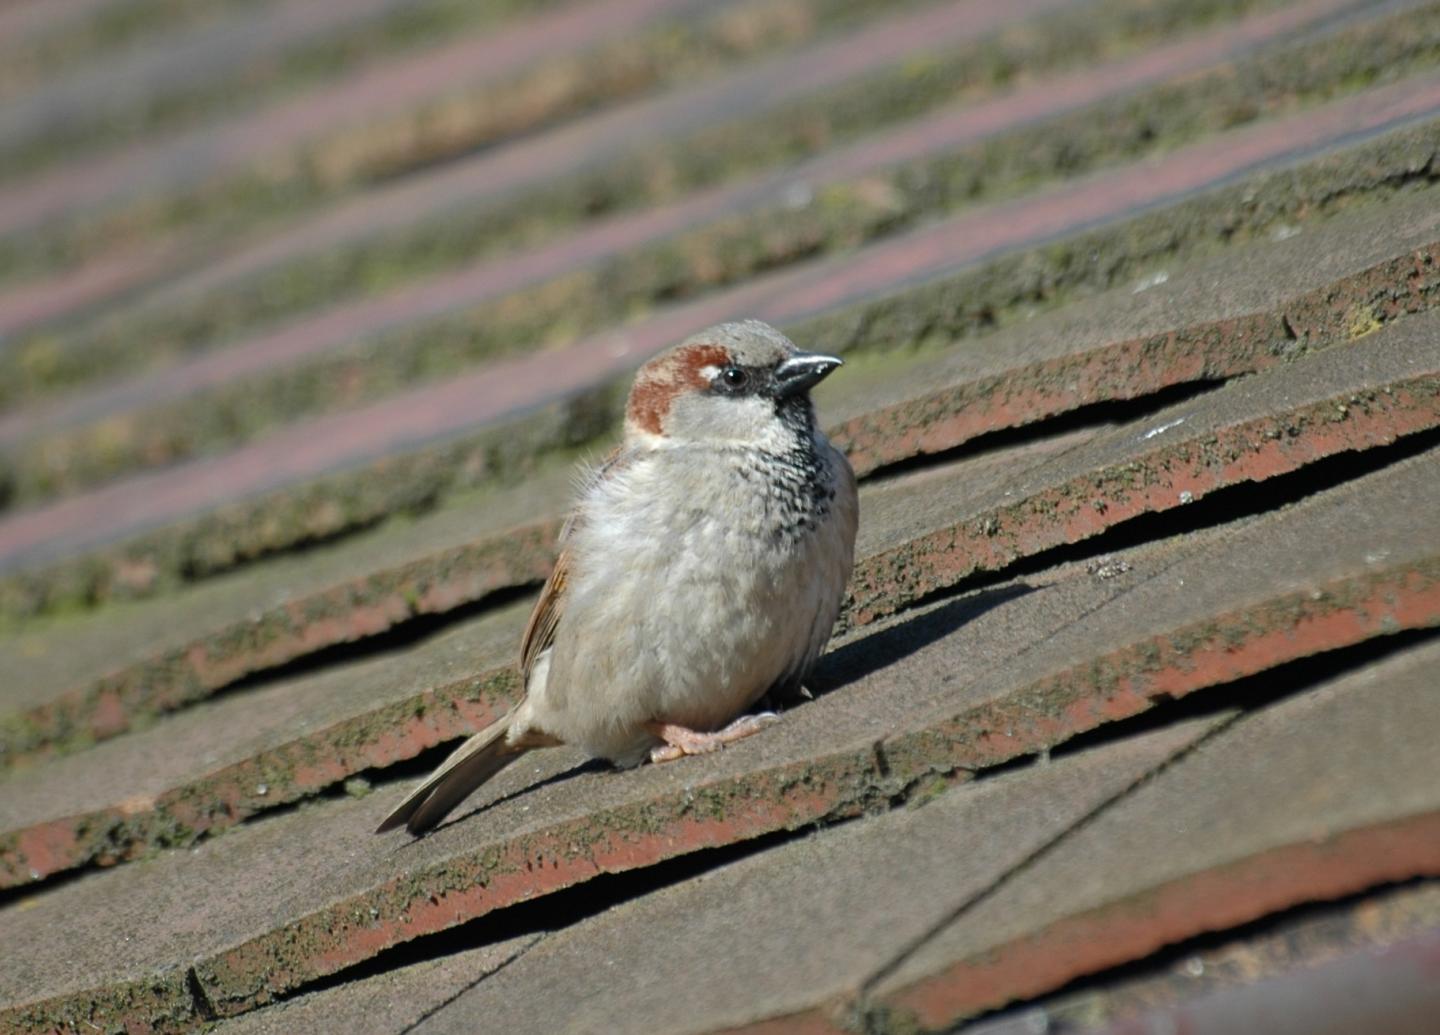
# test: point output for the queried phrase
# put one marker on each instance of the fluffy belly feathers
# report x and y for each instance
(673, 637)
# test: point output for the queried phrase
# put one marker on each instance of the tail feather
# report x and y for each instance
(471, 764)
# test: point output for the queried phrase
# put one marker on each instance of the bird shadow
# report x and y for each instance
(859, 658)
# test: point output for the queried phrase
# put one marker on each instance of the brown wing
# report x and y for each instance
(540, 630)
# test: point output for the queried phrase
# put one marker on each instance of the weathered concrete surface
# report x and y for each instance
(1365, 938)
(80, 680)
(1395, 42)
(1370, 394)
(1020, 675)
(448, 409)
(75, 290)
(1035, 44)
(1244, 310)
(394, 1001)
(1315, 798)
(108, 272)
(198, 153)
(342, 502)
(1285, 586)
(801, 927)
(208, 151)
(1386, 980)
(221, 762)
(332, 327)
(294, 738)
(762, 86)
(217, 48)
(23, 23)
(69, 690)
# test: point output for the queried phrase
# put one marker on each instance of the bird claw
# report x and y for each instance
(665, 753)
(681, 740)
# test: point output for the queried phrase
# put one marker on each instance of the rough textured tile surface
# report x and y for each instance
(217, 764)
(93, 676)
(502, 171)
(1314, 798)
(100, 89)
(402, 423)
(1285, 586)
(331, 327)
(393, 1002)
(1336, 401)
(205, 151)
(536, 837)
(801, 927)
(976, 693)
(1253, 307)
(1291, 954)
(69, 817)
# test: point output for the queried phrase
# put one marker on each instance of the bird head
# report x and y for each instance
(741, 383)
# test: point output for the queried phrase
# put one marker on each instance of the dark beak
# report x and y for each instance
(802, 371)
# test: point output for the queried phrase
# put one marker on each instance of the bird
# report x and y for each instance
(701, 569)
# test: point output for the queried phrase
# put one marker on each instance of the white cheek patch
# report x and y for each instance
(752, 422)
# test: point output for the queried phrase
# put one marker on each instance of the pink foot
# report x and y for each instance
(681, 740)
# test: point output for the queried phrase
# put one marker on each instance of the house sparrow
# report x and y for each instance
(702, 567)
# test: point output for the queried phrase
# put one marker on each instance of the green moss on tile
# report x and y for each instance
(108, 28)
(933, 314)
(270, 78)
(672, 50)
(704, 259)
(662, 172)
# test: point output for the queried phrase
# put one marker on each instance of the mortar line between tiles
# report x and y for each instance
(860, 1004)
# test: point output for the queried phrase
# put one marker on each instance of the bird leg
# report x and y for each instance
(681, 740)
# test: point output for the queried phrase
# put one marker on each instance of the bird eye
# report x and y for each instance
(734, 377)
